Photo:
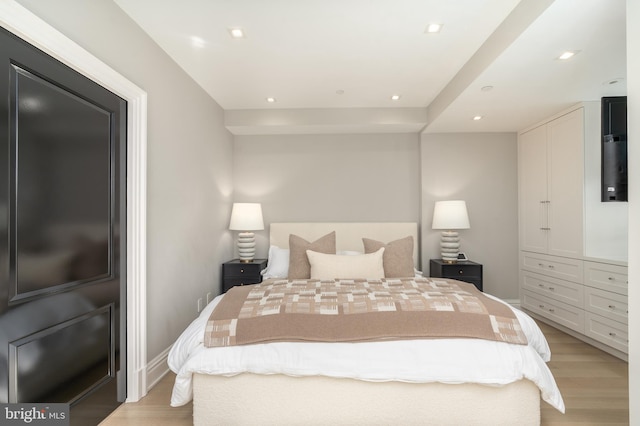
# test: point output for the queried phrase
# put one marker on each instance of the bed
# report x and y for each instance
(458, 380)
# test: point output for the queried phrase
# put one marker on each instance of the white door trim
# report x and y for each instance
(21, 22)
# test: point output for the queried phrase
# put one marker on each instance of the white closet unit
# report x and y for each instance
(558, 282)
(605, 304)
(551, 171)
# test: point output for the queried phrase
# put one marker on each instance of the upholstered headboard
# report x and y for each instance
(348, 235)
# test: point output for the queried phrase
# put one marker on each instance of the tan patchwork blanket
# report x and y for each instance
(357, 311)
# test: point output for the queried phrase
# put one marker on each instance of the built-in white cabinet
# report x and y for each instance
(570, 293)
(605, 304)
(610, 277)
(558, 280)
(567, 315)
(564, 268)
(551, 186)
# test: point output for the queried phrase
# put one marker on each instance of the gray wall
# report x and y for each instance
(480, 168)
(329, 178)
(189, 163)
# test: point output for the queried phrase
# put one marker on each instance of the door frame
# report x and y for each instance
(23, 23)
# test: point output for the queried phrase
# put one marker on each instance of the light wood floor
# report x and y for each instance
(594, 386)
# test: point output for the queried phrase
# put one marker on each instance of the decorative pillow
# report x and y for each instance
(330, 266)
(277, 263)
(398, 256)
(349, 252)
(299, 267)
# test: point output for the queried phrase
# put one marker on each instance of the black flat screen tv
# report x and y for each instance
(614, 149)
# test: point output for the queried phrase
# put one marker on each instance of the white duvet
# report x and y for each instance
(418, 361)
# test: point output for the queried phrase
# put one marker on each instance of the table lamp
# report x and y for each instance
(246, 217)
(450, 216)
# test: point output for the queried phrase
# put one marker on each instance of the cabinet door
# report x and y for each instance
(565, 182)
(532, 159)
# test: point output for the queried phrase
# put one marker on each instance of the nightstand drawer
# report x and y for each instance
(461, 272)
(235, 273)
(241, 270)
(467, 271)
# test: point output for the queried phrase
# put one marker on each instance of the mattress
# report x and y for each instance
(445, 361)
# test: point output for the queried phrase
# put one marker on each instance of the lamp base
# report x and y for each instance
(449, 246)
(246, 246)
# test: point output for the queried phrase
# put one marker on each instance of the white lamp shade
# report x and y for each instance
(450, 215)
(246, 217)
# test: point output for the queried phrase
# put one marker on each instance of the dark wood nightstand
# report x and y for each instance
(235, 272)
(463, 270)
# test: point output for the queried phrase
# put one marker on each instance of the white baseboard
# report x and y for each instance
(157, 368)
(513, 302)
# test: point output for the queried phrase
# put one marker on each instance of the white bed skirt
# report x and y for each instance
(251, 399)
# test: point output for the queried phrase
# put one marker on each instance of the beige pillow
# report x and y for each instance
(298, 262)
(398, 256)
(330, 266)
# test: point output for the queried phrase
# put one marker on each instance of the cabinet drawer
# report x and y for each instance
(560, 290)
(460, 272)
(606, 277)
(563, 314)
(609, 332)
(240, 270)
(558, 267)
(230, 282)
(607, 304)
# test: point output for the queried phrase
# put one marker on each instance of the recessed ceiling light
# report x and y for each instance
(395, 97)
(271, 100)
(477, 118)
(568, 54)
(236, 32)
(433, 28)
(197, 41)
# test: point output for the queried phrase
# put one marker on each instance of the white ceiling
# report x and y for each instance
(303, 52)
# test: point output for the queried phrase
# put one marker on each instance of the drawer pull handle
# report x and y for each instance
(552, 310)
(461, 272)
(541, 285)
(551, 266)
(612, 306)
(541, 265)
(611, 278)
(242, 271)
(612, 334)
(552, 288)
(541, 306)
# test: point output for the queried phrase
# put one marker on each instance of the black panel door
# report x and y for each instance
(62, 235)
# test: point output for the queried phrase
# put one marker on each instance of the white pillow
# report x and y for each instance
(331, 266)
(277, 263)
